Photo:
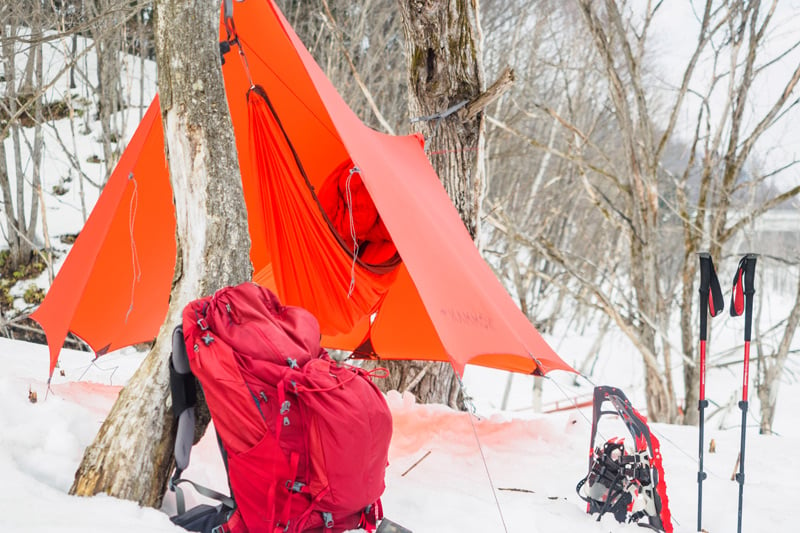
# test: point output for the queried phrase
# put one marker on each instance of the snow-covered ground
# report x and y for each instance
(491, 471)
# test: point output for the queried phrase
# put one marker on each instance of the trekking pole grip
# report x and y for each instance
(749, 291)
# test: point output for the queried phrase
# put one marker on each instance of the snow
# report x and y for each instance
(82, 142)
(449, 471)
(490, 470)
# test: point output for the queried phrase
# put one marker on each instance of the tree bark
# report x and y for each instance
(131, 456)
(691, 371)
(443, 50)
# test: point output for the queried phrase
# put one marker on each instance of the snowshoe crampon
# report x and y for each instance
(626, 481)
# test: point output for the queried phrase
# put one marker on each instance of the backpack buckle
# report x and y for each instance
(296, 486)
(328, 519)
(172, 483)
(202, 323)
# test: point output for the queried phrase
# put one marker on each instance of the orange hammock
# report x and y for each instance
(312, 257)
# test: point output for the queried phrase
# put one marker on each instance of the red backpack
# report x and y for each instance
(305, 438)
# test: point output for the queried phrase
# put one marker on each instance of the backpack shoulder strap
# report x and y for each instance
(184, 399)
(183, 389)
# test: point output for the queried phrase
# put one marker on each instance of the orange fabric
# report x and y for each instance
(309, 266)
(442, 303)
(113, 289)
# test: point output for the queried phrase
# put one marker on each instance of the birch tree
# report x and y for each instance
(21, 105)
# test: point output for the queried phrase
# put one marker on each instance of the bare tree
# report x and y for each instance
(26, 29)
(771, 366)
(721, 209)
(132, 454)
(21, 105)
(108, 40)
(359, 44)
(541, 136)
(647, 187)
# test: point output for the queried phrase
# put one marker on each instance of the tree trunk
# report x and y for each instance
(38, 119)
(131, 456)
(38, 206)
(772, 368)
(428, 381)
(691, 372)
(5, 193)
(109, 46)
(18, 212)
(73, 60)
(443, 49)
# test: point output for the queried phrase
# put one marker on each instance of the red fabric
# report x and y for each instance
(738, 294)
(442, 303)
(286, 412)
(366, 223)
(235, 524)
(344, 195)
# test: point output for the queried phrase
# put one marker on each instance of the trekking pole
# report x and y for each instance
(742, 302)
(711, 301)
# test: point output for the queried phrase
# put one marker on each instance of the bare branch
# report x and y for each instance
(758, 211)
(770, 117)
(566, 156)
(356, 76)
(495, 91)
(703, 38)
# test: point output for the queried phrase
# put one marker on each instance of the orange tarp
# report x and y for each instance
(113, 288)
(442, 302)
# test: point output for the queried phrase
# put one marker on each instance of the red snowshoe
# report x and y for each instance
(628, 483)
